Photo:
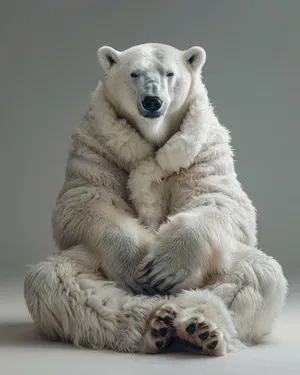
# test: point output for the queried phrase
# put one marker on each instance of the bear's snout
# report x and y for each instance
(152, 103)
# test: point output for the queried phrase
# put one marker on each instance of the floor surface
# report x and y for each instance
(23, 352)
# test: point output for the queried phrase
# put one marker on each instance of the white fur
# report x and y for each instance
(162, 190)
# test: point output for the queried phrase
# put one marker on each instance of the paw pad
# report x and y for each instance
(212, 345)
(159, 344)
(204, 335)
(163, 332)
(191, 328)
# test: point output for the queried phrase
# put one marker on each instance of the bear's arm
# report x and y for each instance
(210, 218)
(211, 189)
(91, 210)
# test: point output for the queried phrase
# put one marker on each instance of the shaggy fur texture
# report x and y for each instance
(151, 206)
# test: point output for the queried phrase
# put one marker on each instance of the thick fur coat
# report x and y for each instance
(149, 207)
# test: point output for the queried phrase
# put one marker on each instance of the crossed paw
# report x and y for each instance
(168, 322)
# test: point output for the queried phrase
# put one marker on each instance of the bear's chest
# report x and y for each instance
(153, 202)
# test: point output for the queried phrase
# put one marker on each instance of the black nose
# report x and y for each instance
(152, 103)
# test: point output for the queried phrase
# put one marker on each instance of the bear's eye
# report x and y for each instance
(170, 74)
(133, 75)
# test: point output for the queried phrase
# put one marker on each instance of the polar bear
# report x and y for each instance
(156, 237)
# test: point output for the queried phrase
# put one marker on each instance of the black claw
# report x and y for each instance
(148, 265)
(190, 329)
(170, 287)
(157, 283)
(204, 335)
(148, 290)
(159, 344)
(212, 345)
(163, 332)
(145, 274)
(152, 277)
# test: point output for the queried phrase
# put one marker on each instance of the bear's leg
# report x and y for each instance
(254, 291)
(70, 301)
(237, 309)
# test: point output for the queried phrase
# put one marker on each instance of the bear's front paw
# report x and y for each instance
(158, 272)
(175, 261)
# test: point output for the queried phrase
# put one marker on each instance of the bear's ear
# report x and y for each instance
(195, 57)
(107, 57)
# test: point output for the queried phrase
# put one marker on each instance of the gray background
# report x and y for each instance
(49, 68)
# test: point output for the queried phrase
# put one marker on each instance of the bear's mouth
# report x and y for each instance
(151, 115)
(151, 106)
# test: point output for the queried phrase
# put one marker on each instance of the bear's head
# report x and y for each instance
(150, 83)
